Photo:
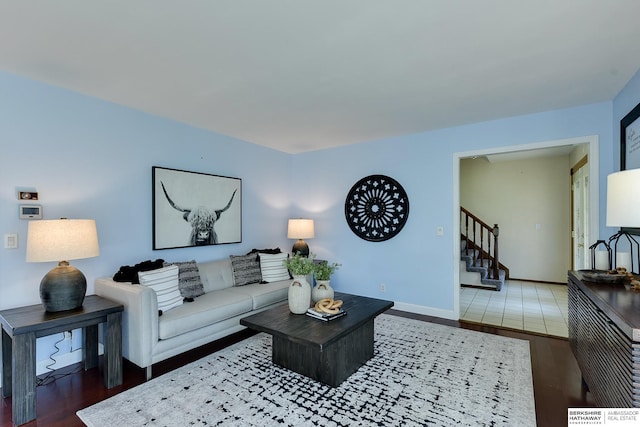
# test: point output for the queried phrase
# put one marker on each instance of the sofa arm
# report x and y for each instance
(139, 319)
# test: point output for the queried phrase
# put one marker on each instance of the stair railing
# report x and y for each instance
(482, 242)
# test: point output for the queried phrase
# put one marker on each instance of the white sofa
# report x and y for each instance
(148, 338)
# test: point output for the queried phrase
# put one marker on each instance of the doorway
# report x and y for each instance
(590, 218)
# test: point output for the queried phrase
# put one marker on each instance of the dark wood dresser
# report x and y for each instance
(604, 334)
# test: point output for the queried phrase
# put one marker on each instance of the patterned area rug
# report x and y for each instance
(422, 374)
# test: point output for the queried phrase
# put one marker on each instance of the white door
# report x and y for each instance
(580, 234)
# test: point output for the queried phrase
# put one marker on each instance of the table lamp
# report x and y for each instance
(623, 210)
(64, 287)
(300, 229)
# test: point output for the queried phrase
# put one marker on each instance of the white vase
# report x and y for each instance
(299, 295)
(321, 290)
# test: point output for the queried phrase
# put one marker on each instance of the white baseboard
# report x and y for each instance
(427, 311)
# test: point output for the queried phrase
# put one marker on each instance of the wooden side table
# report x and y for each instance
(20, 328)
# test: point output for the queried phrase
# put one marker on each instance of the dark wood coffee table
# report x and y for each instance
(328, 352)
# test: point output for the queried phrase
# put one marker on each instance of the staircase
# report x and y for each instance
(479, 255)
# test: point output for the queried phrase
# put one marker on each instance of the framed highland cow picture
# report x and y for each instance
(195, 209)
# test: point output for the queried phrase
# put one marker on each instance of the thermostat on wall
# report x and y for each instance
(30, 212)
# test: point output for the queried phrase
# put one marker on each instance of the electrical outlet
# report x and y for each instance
(383, 287)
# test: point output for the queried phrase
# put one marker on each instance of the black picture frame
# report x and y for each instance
(195, 209)
(630, 140)
(630, 148)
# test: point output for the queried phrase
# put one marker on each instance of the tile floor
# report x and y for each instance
(536, 307)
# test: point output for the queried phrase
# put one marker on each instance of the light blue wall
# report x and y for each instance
(417, 266)
(90, 158)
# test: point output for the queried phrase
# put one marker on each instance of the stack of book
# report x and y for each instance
(312, 312)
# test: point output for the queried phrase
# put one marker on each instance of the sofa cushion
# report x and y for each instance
(216, 275)
(164, 282)
(264, 294)
(189, 280)
(210, 308)
(272, 267)
(246, 269)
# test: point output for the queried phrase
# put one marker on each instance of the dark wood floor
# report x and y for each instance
(556, 379)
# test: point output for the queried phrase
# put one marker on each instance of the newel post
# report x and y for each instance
(496, 261)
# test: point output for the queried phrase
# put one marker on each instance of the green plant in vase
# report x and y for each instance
(322, 271)
(299, 265)
(299, 295)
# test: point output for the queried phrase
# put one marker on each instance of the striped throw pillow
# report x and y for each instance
(164, 282)
(272, 267)
(246, 269)
(189, 281)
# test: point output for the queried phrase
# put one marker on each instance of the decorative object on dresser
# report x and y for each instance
(600, 260)
(604, 334)
(300, 229)
(61, 240)
(623, 210)
(376, 208)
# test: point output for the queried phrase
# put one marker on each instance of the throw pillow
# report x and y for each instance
(246, 269)
(164, 282)
(272, 267)
(189, 279)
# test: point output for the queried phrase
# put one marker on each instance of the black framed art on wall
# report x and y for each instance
(195, 209)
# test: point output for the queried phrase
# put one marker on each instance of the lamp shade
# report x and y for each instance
(62, 239)
(623, 199)
(64, 287)
(300, 229)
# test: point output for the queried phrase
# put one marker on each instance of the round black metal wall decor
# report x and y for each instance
(377, 207)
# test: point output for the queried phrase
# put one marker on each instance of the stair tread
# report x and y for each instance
(481, 266)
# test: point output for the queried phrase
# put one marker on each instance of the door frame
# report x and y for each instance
(594, 200)
(584, 161)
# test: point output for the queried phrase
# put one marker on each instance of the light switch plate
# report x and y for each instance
(11, 241)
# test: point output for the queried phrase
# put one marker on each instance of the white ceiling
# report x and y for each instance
(299, 75)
